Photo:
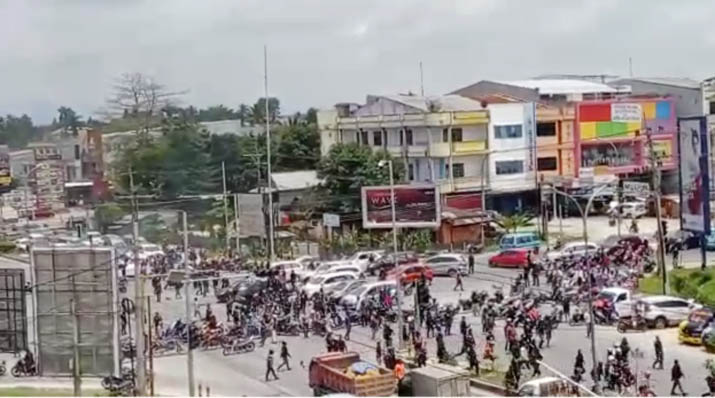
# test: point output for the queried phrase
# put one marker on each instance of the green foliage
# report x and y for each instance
(106, 214)
(17, 132)
(6, 246)
(258, 110)
(69, 120)
(687, 283)
(706, 294)
(298, 147)
(418, 240)
(515, 221)
(347, 168)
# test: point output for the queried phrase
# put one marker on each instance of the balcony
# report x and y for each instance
(469, 147)
(461, 184)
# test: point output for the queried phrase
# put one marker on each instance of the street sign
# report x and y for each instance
(331, 220)
(636, 188)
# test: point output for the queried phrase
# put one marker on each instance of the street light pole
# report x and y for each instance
(398, 297)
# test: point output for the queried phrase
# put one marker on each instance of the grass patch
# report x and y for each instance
(48, 392)
(686, 283)
(491, 376)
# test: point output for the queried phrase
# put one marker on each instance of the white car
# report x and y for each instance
(147, 250)
(327, 281)
(628, 209)
(575, 249)
(660, 311)
(356, 298)
(325, 267)
(364, 258)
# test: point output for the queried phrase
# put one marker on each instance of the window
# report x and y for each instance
(510, 167)
(377, 138)
(547, 164)
(545, 129)
(507, 131)
(408, 136)
(363, 137)
(411, 172)
(456, 134)
(712, 107)
(458, 170)
(76, 152)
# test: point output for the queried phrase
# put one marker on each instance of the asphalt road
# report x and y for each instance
(243, 374)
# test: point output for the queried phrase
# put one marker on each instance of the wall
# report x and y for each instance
(328, 130)
(509, 149)
(688, 101)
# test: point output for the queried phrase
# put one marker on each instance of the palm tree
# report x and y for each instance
(69, 120)
(515, 221)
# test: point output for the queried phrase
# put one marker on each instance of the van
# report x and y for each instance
(520, 240)
(547, 387)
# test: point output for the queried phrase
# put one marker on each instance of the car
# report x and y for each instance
(687, 239)
(690, 331)
(326, 281)
(409, 273)
(520, 240)
(331, 266)
(346, 287)
(147, 250)
(287, 266)
(635, 209)
(447, 264)
(573, 249)
(710, 241)
(389, 261)
(513, 258)
(660, 311)
(632, 240)
(546, 387)
(307, 259)
(612, 296)
(357, 298)
(364, 258)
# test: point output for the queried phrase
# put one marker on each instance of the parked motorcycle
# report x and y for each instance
(3, 368)
(22, 369)
(238, 346)
(629, 323)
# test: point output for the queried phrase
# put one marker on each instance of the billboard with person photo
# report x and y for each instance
(694, 177)
(416, 206)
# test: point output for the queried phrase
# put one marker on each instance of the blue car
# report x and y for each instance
(520, 240)
(710, 241)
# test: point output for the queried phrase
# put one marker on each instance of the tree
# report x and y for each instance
(515, 221)
(244, 114)
(141, 98)
(298, 147)
(69, 120)
(107, 214)
(216, 112)
(17, 132)
(311, 116)
(258, 110)
(347, 168)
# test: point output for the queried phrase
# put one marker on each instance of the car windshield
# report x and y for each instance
(699, 316)
(606, 295)
(360, 290)
(323, 268)
(354, 286)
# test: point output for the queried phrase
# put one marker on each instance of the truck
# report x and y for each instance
(334, 373)
(442, 381)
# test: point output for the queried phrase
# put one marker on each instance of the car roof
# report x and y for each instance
(521, 234)
(660, 298)
(616, 290)
(340, 273)
(380, 283)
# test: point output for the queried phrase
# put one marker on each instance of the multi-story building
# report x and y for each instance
(440, 139)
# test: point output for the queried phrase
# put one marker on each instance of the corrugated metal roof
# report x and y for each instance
(562, 86)
(437, 103)
(295, 180)
(669, 81)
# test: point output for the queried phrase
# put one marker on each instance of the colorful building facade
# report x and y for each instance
(611, 136)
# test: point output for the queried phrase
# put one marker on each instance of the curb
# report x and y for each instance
(483, 385)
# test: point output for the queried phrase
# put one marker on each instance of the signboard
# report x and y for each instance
(636, 188)
(694, 177)
(250, 215)
(416, 206)
(530, 134)
(331, 220)
(621, 112)
(5, 178)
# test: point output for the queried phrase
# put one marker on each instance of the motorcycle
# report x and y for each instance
(238, 346)
(22, 369)
(577, 318)
(166, 346)
(628, 323)
(287, 328)
(122, 284)
(3, 368)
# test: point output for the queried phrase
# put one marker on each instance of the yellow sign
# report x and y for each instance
(662, 149)
(6, 180)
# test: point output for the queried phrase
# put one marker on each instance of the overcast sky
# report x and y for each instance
(68, 52)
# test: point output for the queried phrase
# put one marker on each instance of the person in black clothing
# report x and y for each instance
(658, 346)
(378, 352)
(348, 326)
(675, 375)
(269, 366)
(284, 356)
(566, 305)
(463, 326)
(579, 361)
(471, 263)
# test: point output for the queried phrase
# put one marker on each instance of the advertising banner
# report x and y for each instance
(694, 179)
(623, 112)
(416, 206)
(250, 214)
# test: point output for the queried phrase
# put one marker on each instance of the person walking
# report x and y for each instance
(676, 254)
(471, 263)
(459, 283)
(348, 326)
(269, 366)
(284, 356)
(675, 375)
(658, 346)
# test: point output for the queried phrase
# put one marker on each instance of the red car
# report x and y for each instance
(513, 258)
(411, 272)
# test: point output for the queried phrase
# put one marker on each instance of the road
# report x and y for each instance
(243, 374)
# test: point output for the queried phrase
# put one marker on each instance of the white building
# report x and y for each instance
(512, 136)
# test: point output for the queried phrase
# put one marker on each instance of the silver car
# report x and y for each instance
(447, 264)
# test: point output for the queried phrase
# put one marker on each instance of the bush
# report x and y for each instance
(706, 294)
(6, 246)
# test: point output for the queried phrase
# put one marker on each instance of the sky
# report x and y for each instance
(321, 52)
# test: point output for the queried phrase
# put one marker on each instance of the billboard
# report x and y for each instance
(250, 215)
(693, 162)
(416, 206)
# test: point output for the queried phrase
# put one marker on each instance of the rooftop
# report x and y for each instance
(436, 103)
(683, 82)
(562, 86)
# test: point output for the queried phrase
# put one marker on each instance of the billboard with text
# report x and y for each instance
(416, 206)
(694, 180)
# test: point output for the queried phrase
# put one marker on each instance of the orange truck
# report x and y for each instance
(333, 373)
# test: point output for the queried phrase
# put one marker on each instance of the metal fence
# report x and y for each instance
(13, 327)
(87, 276)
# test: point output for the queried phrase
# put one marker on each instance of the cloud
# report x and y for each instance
(68, 53)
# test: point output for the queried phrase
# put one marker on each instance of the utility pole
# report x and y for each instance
(422, 81)
(271, 243)
(236, 227)
(398, 296)
(619, 209)
(655, 172)
(225, 206)
(151, 348)
(187, 302)
(76, 370)
(138, 294)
